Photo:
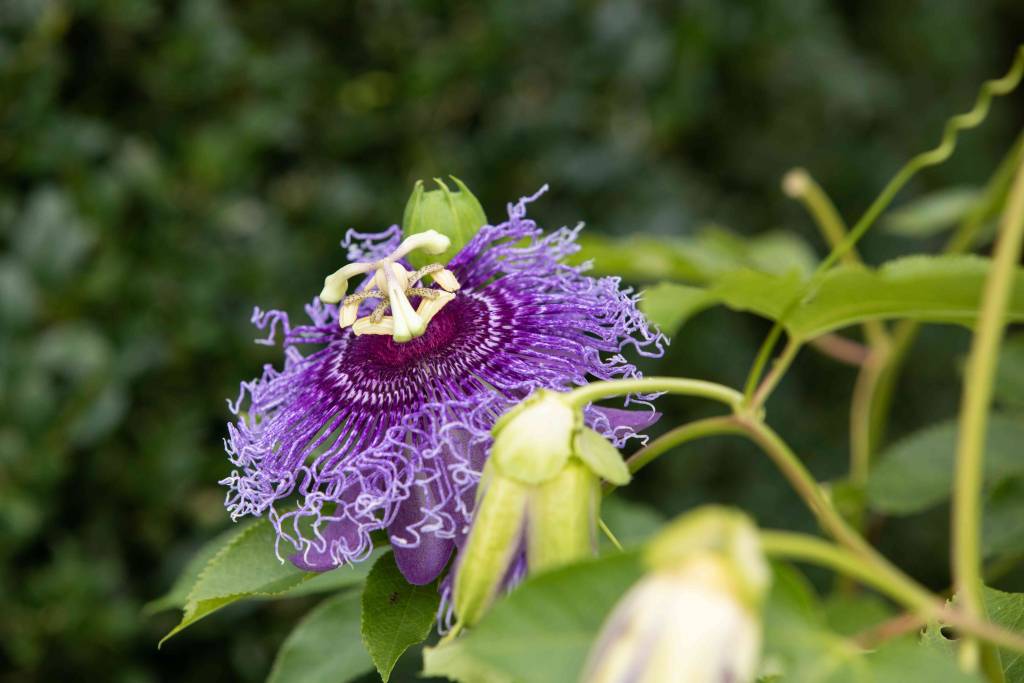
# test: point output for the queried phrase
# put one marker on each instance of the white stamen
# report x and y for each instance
(366, 326)
(428, 308)
(348, 314)
(336, 284)
(446, 279)
(394, 283)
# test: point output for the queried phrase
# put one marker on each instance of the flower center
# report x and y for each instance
(390, 282)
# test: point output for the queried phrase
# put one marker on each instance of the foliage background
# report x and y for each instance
(164, 166)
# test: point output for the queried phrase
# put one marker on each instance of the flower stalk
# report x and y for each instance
(595, 391)
(975, 403)
(855, 558)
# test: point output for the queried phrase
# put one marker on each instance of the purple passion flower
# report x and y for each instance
(369, 427)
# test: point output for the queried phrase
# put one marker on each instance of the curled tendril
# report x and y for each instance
(973, 118)
(996, 87)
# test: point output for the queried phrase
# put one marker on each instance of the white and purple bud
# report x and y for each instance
(539, 495)
(695, 616)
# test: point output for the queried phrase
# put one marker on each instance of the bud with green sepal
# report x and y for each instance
(456, 215)
(695, 616)
(540, 491)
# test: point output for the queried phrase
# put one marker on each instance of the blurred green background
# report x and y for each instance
(166, 166)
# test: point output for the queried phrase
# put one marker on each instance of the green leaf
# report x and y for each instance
(324, 647)
(630, 521)
(182, 586)
(850, 614)
(1004, 520)
(452, 661)
(1009, 389)
(945, 289)
(395, 613)
(1007, 610)
(543, 630)
(916, 472)
(643, 258)
(247, 567)
(932, 213)
(669, 305)
(942, 289)
(906, 660)
(711, 253)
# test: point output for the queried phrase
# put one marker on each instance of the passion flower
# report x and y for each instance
(380, 417)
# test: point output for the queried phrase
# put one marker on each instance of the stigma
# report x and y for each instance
(390, 282)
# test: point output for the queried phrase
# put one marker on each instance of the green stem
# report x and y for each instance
(991, 201)
(903, 336)
(804, 548)
(799, 185)
(608, 533)
(763, 354)
(808, 489)
(775, 375)
(862, 436)
(746, 422)
(801, 547)
(595, 391)
(688, 432)
(870, 566)
(975, 402)
(905, 332)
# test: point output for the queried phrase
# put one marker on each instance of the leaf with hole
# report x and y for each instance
(803, 647)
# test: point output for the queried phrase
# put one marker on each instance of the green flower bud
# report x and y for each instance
(456, 215)
(491, 546)
(562, 518)
(533, 441)
(695, 617)
(540, 488)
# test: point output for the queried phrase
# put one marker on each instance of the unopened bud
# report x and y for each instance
(562, 518)
(541, 490)
(456, 215)
(533, 441)
(492, 544)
